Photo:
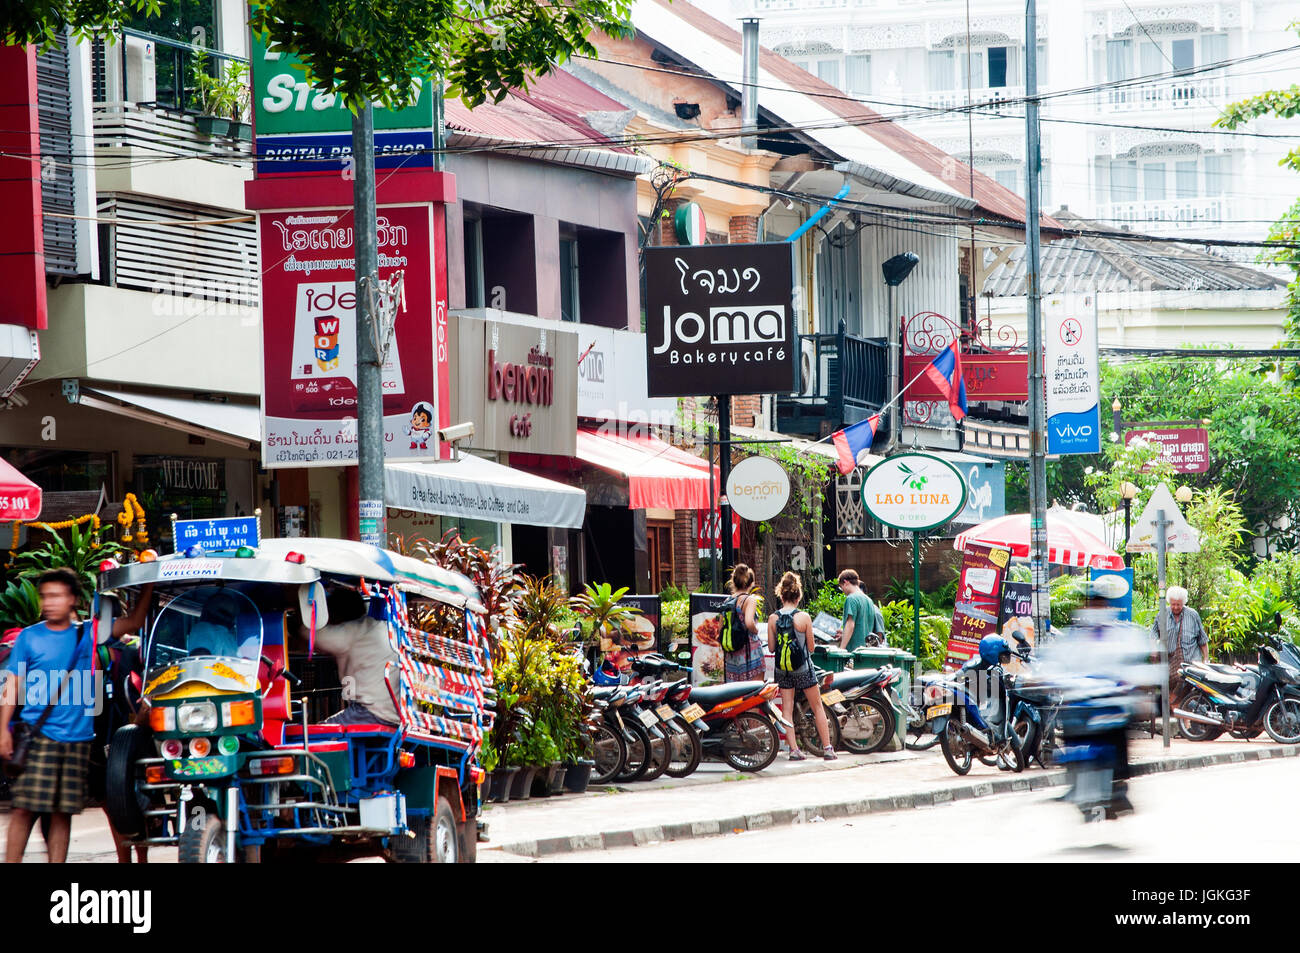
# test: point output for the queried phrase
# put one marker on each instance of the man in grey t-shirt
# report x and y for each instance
(1185, 638)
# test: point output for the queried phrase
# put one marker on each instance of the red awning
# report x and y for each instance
(20, 498)
(658, 474)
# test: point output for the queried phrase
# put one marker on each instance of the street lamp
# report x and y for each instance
(1115, 408)
(1128, 491)
(895, 271)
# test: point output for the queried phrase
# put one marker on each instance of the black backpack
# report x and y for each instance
(734, 635)
(791, 652)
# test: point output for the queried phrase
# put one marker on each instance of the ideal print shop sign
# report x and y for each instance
(720, 320)
(914, 492)
(301, 130)
(309, 324)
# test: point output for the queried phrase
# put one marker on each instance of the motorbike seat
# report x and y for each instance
(708, 696)
(1217, 676)
(854, 677)
(605, 691)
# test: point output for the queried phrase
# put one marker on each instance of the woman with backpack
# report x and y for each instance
(791, 635)
(744, 660)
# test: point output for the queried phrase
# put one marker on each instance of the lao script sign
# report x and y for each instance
(1186, 448)
(221, 533)
(720, 320)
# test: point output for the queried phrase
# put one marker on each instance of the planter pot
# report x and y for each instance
(521, 789)
(557, 779)
(242, 131)
(501, 781)
(578, 776)
(212, 125)
(542, 780)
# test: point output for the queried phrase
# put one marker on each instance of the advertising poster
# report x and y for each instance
(1017, 615)
(1073, 384)
(1119, 589)
(644, 637)
(309, 327)
(720, 319)
(707, 661)
(979, 598)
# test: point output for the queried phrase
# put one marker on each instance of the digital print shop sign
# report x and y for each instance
(303, 130)
(720, 319)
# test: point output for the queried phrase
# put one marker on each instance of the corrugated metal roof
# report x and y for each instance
(991, 197)
(1086, 264)
(548, 115)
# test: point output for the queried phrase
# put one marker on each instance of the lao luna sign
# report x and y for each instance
(914, 492)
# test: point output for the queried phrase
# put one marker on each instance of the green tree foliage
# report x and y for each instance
(41, 21)
(378, 52)
(1283, 104)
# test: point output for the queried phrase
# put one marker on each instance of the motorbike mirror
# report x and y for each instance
(1020, 637)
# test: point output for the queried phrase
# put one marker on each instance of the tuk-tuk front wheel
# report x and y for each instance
(437, 839)
(203, 843)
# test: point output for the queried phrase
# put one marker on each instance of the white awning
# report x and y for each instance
(480, 489)
(203, 418)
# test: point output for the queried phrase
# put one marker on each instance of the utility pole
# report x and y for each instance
(370, 397)
(1162, 546)
(724, 471)
(1037, 395)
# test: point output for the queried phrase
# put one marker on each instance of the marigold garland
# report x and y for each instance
(38, 524)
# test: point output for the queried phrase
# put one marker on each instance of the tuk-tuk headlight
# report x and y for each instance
(198, 716)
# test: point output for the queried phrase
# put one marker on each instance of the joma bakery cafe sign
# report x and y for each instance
(720, 320)
(518, 384)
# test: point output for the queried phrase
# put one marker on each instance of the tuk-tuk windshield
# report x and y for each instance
(207, 621)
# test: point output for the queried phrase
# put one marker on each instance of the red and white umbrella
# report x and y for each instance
(1069, 541)
(20, 498)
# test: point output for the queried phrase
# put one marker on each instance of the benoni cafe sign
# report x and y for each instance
(914, 491)
(758, 489)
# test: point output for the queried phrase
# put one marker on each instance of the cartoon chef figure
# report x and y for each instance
(421, 426)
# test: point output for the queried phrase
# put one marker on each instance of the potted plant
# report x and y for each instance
(240, 97)
(222, 96)
(608, 619)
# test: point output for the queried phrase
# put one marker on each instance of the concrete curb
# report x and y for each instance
(640, 836)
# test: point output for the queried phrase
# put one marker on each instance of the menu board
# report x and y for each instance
(708, 663)
(979, 598)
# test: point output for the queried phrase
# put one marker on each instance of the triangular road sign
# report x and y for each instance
(1179, 537)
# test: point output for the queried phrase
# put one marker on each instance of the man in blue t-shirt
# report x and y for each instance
(54, 781)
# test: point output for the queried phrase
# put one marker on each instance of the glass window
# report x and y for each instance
(569, 310)
(977, 76)
(1123, 181)
(1216, 174)
(829, 71)
(1008, 177)
(1214, 48)
(997, 66)
(473, 263)
(1153, 182)
(857, 73)
(940, 70)
(209, 621)
(1184, 54)
(1119, 60)
(1185, 179)
(1151, 59)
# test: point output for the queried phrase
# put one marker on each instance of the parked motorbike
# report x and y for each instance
(859, 710)
(1246, 699)
(681, 717)
(742, 723)
(1035, 710)
(981, 722)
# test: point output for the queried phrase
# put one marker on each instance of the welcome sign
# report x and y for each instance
(720, 319)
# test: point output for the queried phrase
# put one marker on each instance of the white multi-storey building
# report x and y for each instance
(1118, 148)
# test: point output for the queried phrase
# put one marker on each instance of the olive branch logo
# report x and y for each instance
(913, 478)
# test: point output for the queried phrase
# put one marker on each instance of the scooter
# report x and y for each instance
(1242, 701)
(1094, 715)
(859, 709)
(981, 723)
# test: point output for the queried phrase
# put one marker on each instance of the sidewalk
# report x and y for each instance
(718, 800)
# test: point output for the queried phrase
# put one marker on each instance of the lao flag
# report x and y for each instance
(945, 373)
(852, 441)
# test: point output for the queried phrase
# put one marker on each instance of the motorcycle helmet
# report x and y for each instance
(994, 649)
(607, 674)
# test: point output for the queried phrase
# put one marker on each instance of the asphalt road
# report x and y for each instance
(1020, 827)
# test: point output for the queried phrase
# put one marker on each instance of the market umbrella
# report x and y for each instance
(20, 498)
(1069, 541)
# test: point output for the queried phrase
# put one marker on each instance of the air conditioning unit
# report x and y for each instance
(140, 83)
(807, 365)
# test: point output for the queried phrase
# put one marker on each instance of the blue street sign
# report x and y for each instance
(229, 532)
(1125, 602)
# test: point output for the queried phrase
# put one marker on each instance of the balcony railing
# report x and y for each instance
(1195, 92)
(1168, 212)
(839, 380)
(1005, 96)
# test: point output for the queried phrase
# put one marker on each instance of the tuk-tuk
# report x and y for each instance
(231, 768)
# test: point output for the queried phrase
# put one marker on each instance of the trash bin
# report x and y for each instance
(875, 657)
(832, 658)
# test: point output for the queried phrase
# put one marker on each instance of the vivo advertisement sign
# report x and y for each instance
(720, 319)
(1073, 384)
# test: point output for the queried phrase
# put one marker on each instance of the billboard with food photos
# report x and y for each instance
(979, 598)
(708, 664)
(643, 639)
